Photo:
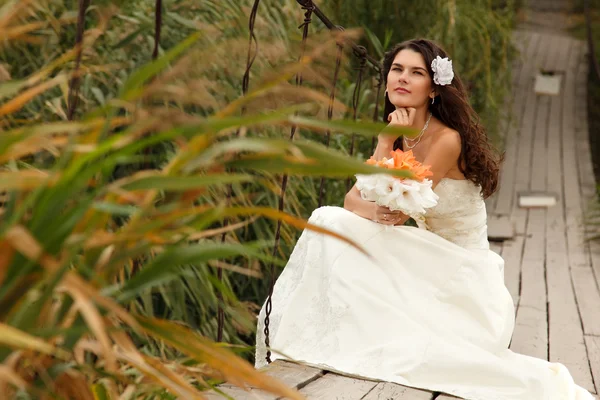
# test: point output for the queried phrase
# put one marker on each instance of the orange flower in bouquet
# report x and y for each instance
(410, 195)
(403, 160)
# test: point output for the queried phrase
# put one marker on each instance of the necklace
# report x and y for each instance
(418, 138)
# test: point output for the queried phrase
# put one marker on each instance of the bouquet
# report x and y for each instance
(410, 196)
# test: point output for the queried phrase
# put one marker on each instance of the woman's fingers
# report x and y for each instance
(411, 112)
(403, 116)
(386, 216)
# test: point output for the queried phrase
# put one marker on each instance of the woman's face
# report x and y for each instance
(408, 82)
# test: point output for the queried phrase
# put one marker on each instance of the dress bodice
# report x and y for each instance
(460, 215)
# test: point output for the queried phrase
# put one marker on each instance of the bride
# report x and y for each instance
(427, 307)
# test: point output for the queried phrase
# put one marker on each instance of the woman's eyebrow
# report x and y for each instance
(400, 65)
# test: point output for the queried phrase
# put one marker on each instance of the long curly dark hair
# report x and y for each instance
(479, 161)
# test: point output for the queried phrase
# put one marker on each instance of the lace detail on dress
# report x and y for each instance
(323, 314)
(460, 215)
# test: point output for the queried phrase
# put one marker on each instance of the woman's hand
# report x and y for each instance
(371, 211)
(385, 216)
(402, 116)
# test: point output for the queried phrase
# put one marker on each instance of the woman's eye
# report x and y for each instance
(418, 73)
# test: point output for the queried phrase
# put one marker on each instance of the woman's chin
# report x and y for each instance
(403, 103)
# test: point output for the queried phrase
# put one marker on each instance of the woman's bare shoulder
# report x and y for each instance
(448, 139)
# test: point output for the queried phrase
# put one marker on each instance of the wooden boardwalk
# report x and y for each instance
(552, 273)
(550, 269)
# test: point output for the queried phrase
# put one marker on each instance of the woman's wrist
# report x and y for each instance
(386, 140)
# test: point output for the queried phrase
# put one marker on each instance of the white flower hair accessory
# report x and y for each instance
(442, 71)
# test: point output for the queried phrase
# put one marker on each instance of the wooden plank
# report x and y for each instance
(594, 248)
(566, 342)
(496, 247)
(588, 299)
(524, 148)
(531, 333)
(507, 127)
(512, 253)
(291, 374)
(586, 171)
(333, 386)
(521, 90)
(500, 228)
(573, 213)
(386, 391)
(539, 143)
(239, 394)
(593, 348)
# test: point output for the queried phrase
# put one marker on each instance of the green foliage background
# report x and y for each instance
(119, 39)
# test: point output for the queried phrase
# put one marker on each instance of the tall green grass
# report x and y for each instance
(169, 116)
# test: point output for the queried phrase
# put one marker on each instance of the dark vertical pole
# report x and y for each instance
(376, 111)
(355, 100)
(338, 63)
(74, 83)
(157, 27)
(590, 38)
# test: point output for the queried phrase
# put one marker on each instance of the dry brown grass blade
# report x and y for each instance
(232, 368)
(219, 231)
(22, 241)
(34, 145)
(6, 255)
(95, 322)
(154, 369)
(44, 72)
(16, 10)
(86, 345)
(22, 99)
(235, 268)
(298, 223)
(72, 384)
(21, 31)
(72, 279)
(22, 180)
(289, 94)
(16, 338)
(9, 376)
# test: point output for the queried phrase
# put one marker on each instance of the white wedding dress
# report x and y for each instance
(427, 308)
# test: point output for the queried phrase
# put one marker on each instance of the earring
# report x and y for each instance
(385, 92)
(432, 100)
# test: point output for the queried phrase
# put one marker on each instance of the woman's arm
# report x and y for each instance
(368, 209)
(385, 144)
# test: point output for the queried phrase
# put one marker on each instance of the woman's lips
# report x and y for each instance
(401, 90)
